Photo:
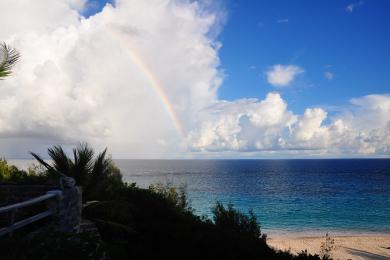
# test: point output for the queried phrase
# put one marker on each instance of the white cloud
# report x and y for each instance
(238, 125)
(98, 80)
(282, 75)
(328, 75)
(92, 79)
(268, 126)
(351, 7)
(78, 4)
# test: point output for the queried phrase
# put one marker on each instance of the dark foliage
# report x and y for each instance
(98, 177)
(231, 219)
(153, 225)
(52, 245)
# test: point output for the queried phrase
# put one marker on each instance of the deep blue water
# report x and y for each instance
(291, 195)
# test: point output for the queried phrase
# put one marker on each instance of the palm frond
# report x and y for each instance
(41, 161)
(94, 174)
(8, 58)
(99, 172)
(50, 169)
(60, 159)
(82, 163)
(101, 164)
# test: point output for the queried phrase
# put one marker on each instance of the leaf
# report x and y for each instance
(8, 58)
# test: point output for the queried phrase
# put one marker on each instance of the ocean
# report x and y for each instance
(339, 196)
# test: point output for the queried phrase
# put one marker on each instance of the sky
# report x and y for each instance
(198, 79)
(342, 50)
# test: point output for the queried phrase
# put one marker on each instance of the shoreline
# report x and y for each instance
(279, 234)
(348, 245)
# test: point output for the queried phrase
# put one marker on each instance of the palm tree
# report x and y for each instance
(8, 58)
(100, 180)
(94, 175)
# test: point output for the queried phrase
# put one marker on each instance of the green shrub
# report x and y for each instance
(231, 219)
(177, 195)
(11, 174)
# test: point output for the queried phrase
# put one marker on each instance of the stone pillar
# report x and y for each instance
(68, 217)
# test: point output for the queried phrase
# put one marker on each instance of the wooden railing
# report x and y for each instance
(12, 209)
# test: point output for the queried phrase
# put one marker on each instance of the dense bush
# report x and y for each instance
(177, 195)
(230, 219)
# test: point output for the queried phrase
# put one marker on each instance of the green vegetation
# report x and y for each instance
(98, 176)
(176, 195)
(8, 58)
(136, 223)
(231, 219)
(11, 174)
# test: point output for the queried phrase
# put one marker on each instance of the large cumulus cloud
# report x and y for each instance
(95, 80)
(268, 126)
(78, 79)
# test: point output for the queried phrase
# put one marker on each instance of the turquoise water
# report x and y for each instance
(287, 195)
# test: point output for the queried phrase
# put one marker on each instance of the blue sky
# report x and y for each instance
(95, 6)
(318, 36)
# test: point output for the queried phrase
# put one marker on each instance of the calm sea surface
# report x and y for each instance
(311, 196)
(287, 195)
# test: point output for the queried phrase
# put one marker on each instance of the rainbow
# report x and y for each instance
(153, 80)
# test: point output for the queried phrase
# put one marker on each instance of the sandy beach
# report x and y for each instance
(346, 247)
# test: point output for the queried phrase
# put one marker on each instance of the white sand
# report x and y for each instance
(346, 247)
